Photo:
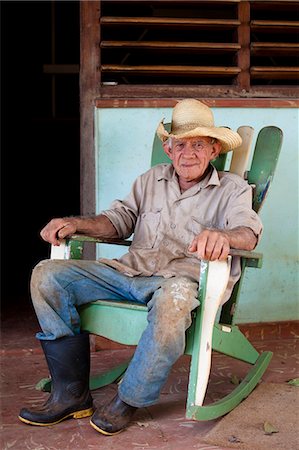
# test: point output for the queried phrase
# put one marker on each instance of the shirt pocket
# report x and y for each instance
(146, 229)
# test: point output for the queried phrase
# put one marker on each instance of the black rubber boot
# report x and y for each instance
(68, 360)
(112, 418)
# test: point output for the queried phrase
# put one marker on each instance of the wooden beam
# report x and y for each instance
(155, 45)
(243, 56)
(275, 5)
(275, 73)
(274, 25)
(215, 102)
(169, 21)
(136, 91)
(275, 48)
(89, 89)
(171, 70)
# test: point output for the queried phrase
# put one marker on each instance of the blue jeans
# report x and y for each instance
(59, 287)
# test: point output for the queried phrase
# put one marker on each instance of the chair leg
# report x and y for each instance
(230, 401)
(230, 341)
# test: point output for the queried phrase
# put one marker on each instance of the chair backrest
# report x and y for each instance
(264, 162)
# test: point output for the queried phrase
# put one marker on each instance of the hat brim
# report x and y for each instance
(228, 138)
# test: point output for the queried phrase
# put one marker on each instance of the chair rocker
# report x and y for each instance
(124, 322)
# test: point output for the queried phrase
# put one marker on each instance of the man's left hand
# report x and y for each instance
(211, 245)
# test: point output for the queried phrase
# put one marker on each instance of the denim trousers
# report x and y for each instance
(58, 287)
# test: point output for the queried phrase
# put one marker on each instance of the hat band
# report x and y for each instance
(180, 129)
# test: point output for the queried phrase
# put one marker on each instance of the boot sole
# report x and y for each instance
(75, 415)
(106, 433)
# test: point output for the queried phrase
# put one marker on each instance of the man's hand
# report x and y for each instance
(211, 245)
(215, 244)
(58, 229)
(94, 226)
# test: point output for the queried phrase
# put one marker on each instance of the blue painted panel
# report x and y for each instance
(124, 138)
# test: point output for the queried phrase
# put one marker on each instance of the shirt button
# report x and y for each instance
(172, 225)
(166, 242)
(152, 263)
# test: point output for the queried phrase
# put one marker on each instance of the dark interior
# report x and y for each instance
(40, 134)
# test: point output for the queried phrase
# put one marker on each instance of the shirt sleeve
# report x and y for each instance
(239, 212)
(123, 213)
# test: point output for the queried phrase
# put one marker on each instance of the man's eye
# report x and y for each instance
(198, 145)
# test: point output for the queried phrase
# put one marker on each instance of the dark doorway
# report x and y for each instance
(40, 132)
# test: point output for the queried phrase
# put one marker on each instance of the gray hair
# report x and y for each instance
(169, 141)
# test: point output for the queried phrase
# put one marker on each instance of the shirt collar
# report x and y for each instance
(168, 173)
(212, 179)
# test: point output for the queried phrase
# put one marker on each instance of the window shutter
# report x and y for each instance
(169, 42)
(274, 42)
(223, 47)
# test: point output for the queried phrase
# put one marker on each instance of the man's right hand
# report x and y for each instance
(58, 229)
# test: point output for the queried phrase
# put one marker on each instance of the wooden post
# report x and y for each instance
(243, 55)
(89, 88)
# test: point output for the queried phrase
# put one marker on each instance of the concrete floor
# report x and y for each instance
(162, 426)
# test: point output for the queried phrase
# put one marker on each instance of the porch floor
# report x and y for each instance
(162, 426)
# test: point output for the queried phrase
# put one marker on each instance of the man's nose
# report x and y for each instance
(189, 149)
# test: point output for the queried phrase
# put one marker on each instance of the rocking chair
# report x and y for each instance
(124, 322)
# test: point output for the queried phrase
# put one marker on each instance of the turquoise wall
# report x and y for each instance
(124, 139)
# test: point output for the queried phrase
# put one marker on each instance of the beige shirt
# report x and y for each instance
(165, 221)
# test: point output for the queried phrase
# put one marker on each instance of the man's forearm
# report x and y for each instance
(242, 238)
(96, 226)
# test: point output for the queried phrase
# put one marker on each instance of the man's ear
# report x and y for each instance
(217, 146)
(167, 149)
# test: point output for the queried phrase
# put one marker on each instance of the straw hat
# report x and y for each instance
(191, 118)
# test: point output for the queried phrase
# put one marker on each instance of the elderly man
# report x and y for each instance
(179, 213)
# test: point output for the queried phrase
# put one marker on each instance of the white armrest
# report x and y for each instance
(60, 252)
(218, 276)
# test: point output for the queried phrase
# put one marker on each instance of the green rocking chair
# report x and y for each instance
(124, 322)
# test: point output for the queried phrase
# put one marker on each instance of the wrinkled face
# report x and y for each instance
(191, 156)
